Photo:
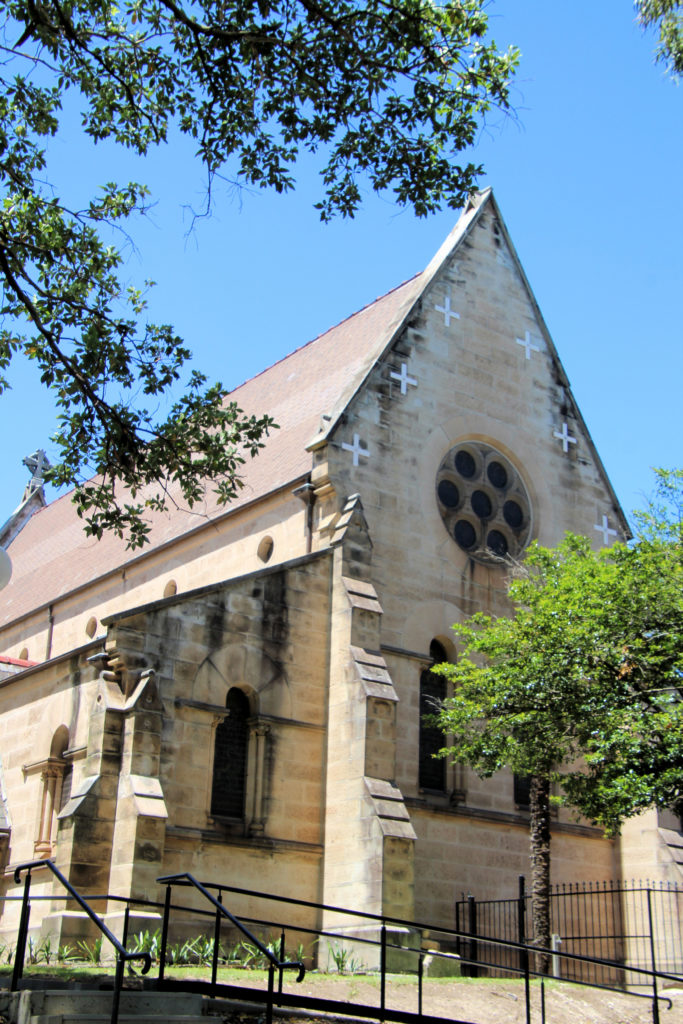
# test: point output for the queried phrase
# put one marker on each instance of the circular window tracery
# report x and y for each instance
(465, 464)
(497, 474)
(483, 502)
(481, 505)
(449, 494)
(465, 534)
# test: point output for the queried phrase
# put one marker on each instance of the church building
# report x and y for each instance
(244, 697)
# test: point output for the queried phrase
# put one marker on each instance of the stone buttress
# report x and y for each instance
(369, 839)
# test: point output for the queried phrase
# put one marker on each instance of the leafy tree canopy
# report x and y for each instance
(666, 16)
(582, 686)
(385, 91)
(583, 683)
(634, 757)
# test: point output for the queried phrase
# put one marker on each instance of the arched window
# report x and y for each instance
(67, 779)
(230, 758)
(432, 772)
(56, 788)
(522, 790)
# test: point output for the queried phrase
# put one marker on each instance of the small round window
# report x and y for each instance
(265, 549)
(483, 502)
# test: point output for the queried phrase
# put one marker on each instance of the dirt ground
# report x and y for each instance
(474, 1001)
(495, 1001)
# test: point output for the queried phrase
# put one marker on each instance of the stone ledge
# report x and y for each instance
(502, 817)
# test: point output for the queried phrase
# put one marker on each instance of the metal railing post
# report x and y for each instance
(271, 985)
(521, 917)
(118, 982)
(472, 929)
(420, 973)
(542, 1000)
(281, 971)
(457, 928)
(655, 997)
(126, 921)
(521, 937)
(216, 945)
(164, 933)
(383, 970)
(20, 951)
(527, 988)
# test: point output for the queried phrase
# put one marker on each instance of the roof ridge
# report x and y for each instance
(322, 334)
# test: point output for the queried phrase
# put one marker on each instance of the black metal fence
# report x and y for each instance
(635, 924)
(382, 945)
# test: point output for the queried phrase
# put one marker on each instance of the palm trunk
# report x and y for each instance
(539, 828)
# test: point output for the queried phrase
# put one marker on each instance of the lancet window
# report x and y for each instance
(432, 771)
(228, 792)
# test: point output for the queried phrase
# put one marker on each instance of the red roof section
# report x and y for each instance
(52, 556)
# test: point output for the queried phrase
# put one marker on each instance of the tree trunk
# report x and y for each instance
(539, 829)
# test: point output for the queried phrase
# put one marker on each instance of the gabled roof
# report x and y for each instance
(306, 393)
(52, 556)
(462, 228)
(30, 503)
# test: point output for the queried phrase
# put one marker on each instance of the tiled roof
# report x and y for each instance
(52, 556)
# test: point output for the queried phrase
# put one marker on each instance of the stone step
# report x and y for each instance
(123, 1018)
(49, 1006)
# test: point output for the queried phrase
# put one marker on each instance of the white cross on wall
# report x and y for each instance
(605, 529)
(356, 448)
(404, 378)
(528, 345)
(448, 312)
(564, 437)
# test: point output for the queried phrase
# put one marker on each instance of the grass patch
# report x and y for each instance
(81, 971)
(64, 972)
(89, 972)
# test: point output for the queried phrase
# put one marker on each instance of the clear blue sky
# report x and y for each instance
(588, 180)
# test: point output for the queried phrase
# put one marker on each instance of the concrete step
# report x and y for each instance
(52, 1006)
(123, 1018)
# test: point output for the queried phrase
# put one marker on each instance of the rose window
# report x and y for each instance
(483, 502)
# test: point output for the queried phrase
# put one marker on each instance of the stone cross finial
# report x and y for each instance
(37, 464)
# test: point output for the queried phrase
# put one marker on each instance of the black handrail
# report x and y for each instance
(528, 950)
(529, 947)
(122, 954)
(185, 878)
